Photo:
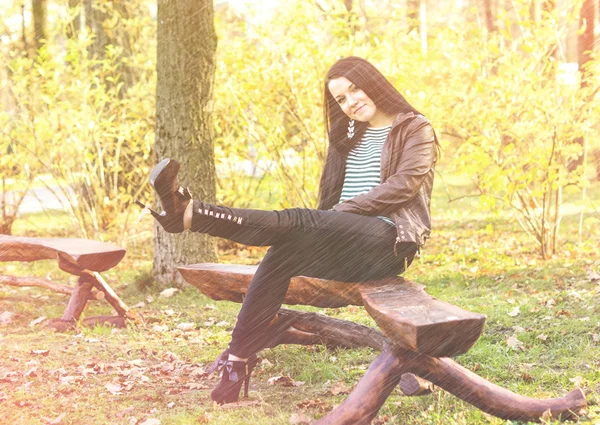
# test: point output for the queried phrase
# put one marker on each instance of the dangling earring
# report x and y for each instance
(350, 129)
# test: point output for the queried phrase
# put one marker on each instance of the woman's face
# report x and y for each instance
(354, 102)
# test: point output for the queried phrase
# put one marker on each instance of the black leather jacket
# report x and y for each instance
(408, 158)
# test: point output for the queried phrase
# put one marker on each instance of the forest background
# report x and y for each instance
(511, 87)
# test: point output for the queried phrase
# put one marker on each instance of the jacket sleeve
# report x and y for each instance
(417, 159)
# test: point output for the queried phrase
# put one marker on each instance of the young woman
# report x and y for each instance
(373, 212)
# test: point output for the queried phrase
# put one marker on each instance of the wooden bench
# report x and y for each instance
(80, 257)
(420, 333)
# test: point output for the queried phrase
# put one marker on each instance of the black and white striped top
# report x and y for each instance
(363, 166)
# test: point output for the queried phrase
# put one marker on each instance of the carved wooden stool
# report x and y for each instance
(80, 257)
(421, 333)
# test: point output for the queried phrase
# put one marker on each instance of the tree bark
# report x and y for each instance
(185, 72)
(489, 16)
(94, 18)
(36, 281)
(75, 24)
(587, 38)
(39, 21)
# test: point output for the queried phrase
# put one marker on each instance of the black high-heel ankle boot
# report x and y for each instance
(235, 373)
(173, 198)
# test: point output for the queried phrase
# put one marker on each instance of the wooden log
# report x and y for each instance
(401, 308)
(24, 282)
(492, 399)
(78, 300)
(114, 321)
(61, 325)
(36, 281)
(412, 385)
(110, 295)
(97, 281)
(369, 395)
(419, 322)
(87, 254)
(334, 333)
(230, 282)
(304, 328)
(363, 403)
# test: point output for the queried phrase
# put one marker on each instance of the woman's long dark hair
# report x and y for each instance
(386, 98)
(367, 78)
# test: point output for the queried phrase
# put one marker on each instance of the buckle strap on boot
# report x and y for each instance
(184, 193)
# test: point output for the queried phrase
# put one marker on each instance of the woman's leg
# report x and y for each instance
(266, 228)
(357, 257)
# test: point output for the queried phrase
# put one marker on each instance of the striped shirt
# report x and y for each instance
(363, 166)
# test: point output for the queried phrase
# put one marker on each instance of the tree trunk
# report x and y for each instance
(39, 21)
(94, 18)
(587, 22)
(535, 10)
(412, 14)
(75, 24)
(185, 72)
(490, 21)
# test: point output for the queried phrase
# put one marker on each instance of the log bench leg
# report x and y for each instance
(385, 372)
(492, 399)
(87, 281)
(78, 300)
(363, 403)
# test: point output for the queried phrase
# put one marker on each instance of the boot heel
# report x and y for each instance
(152, 212)
(246, 385)
(250, 367)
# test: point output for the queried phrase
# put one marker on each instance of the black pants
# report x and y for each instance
(324, 244)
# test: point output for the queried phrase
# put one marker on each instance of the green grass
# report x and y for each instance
(476, 260)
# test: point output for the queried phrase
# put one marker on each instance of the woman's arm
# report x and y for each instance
(418, 158)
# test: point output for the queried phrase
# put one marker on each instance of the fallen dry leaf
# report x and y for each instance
(204, 419)
(114, 389)
(514, 343)
(547, 415)
(266, 363)
(6, 317)
(593, 275)
(125, 411)
(198, 386)
(186, 326)
(284, 381)
(543, 337)
(382, 420)
(237, 404)
(339, 388)
(55, 421)
(167, 293)
(515, 312)
(595, 338)
(160, 328)
(318, 404)
(170, 357)
(577, 380)
(40, 352)
(299, 418)
(37, 321)
(31, 373)
(151, 421)
(526, 376)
